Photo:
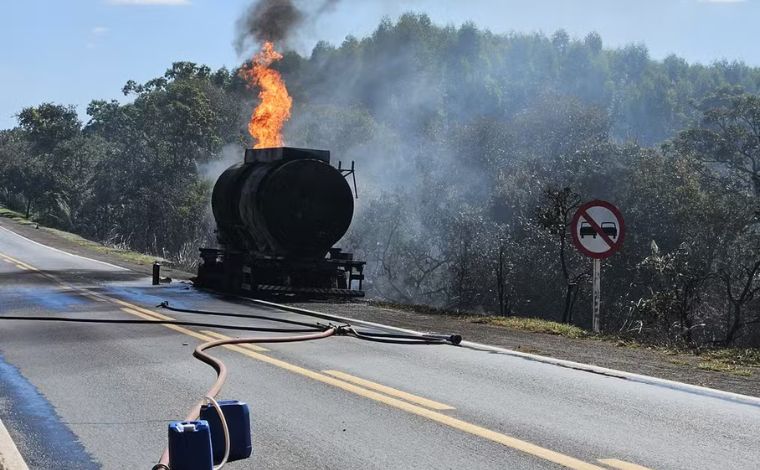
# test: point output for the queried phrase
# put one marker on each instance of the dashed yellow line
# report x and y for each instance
(252, 347)
(433, 405)
(141, 313)
(18, 263)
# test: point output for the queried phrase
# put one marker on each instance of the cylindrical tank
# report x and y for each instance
(293, 207)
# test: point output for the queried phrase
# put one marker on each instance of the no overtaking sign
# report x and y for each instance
(598, 229)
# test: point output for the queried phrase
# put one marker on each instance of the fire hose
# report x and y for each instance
(221, 374)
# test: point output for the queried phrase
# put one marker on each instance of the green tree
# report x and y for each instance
(728, 136)
(555, 215)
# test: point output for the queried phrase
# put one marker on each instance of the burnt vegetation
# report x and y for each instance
(473, 149)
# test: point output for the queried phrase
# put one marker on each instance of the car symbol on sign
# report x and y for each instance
(609, 228)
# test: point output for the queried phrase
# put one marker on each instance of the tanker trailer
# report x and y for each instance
(278, 214)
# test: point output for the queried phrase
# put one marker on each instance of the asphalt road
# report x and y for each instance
(101, 396)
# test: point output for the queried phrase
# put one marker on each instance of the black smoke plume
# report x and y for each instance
(274, 20)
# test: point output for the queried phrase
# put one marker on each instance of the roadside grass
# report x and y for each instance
(533, 325)
(121, 253)
(15, 216)
(718, 366)
(735, 361)
(735, 356)
(117, 252)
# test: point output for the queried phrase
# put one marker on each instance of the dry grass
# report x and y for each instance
(15, 216)
(718, 366)
(533, 325)
(735, 361)
(120, 253)
(117, 252)
(735, 356)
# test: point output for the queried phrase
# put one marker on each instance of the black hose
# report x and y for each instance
(165, 304)
(391, 338)
(169, 322)
(394, 339)
(454, 339)
(432, 338)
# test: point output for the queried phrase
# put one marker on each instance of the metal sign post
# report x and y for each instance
(596, 295)
(598, 231)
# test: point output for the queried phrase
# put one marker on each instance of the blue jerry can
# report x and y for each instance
(238, 419)
(190, 446)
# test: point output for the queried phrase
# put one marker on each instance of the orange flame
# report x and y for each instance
(274, 109)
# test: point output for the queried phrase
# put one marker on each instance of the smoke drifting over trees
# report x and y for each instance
(273, 20)
(472, 148)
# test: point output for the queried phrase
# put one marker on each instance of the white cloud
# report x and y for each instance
(99, 30)
(174, 3)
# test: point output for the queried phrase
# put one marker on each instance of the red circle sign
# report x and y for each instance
(598, 229)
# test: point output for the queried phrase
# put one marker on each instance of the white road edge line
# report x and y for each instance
(645, 379)
(619, 374)
(10, 457)
(64, 252)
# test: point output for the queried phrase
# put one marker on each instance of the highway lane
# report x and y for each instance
(101, 395)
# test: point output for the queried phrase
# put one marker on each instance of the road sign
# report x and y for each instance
(598, 229)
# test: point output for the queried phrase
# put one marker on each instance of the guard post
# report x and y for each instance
(156, 273)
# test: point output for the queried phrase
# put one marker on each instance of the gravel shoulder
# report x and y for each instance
(681, 367)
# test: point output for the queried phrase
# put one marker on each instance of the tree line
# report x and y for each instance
(473, 151)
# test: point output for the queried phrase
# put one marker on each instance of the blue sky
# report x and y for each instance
(74, 51)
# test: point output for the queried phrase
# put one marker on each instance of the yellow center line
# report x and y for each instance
(203, 335)
(252, 347)
(18, 262)
(479, 431)
(138, 308)
(433, 405)
(621, 464)
(176, 328)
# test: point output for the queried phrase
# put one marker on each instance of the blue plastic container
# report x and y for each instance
(190, 446)
(238, 419)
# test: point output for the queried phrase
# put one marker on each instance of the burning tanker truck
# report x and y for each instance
(278, 215)
(280, 211)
